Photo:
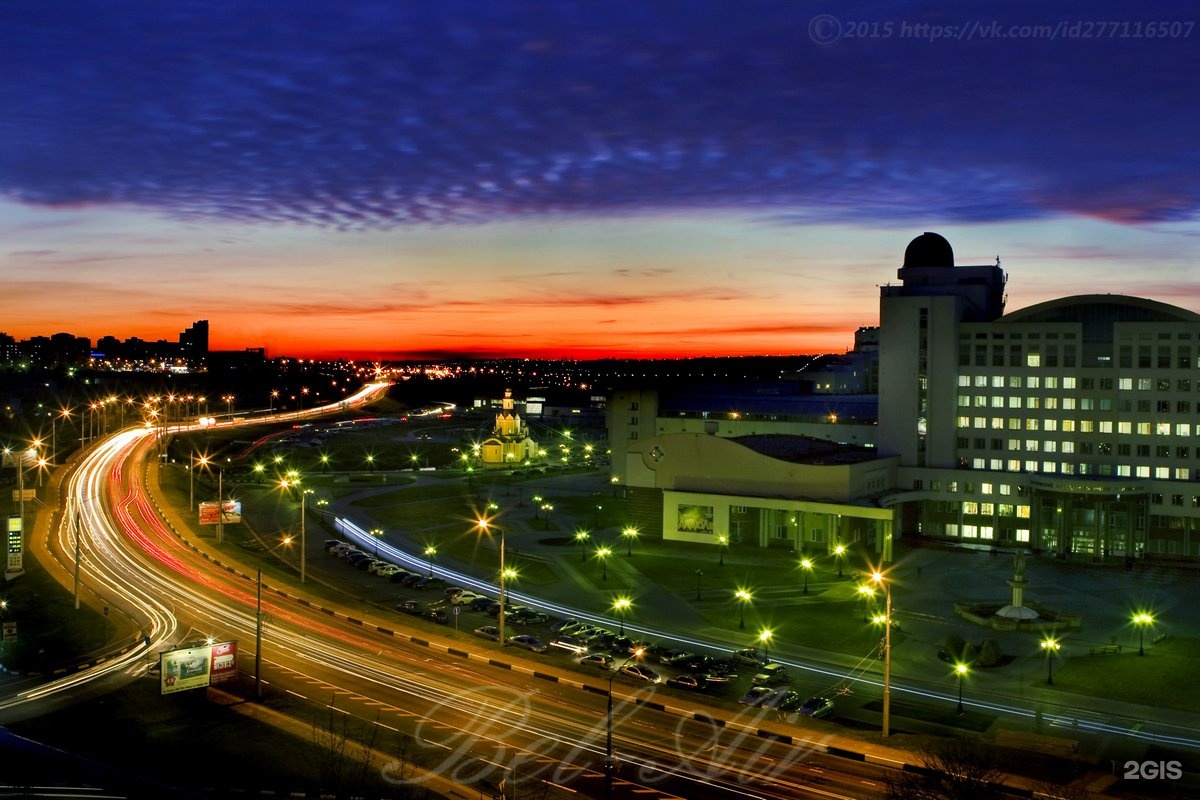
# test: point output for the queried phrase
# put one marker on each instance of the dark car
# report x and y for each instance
(410, 579)
(600, 660)
(817, 707)
(410, 607)
(488, 632)
(697, 663)
(641, 673)
(749, 655)
(438, 615)
(332, 543)
(399, 575)
(558, 625)
(693, 683)
(480, 603)
(531, 643)
(674, 656)
(527, 616)
(759, 695)
(427, 582)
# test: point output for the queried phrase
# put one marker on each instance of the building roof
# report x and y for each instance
(805, 449)
(1098, 313)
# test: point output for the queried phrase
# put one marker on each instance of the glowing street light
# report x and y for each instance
(879, 578)
(744, 597)
(376, 535)
(582, 536)
(629, 534)
(602, 553)
(486, 527)
(839, 552)
(722, 543)
(961, 670)
(806, 564)
(1050, 645)
(1142, 619)
(764, 638)
(430, 552)
(622, 605)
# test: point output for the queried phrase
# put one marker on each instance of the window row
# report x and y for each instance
(1121, 427)
(1106, 384)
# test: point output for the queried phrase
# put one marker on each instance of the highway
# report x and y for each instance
(475, 717)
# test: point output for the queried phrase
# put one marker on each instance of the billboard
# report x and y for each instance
(223, 666)
(197, 666)
(183, 669)
(14, 545)
(226, 511)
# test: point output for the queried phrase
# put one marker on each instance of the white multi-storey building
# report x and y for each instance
(1068, 427)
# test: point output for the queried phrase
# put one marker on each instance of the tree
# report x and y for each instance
(954, 646)
(990, 653)
(954, 769)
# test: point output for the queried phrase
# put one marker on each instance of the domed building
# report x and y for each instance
(509, 443)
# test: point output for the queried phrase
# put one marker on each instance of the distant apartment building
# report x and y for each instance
(1069, 427)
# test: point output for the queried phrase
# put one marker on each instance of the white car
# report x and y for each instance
(465, 596)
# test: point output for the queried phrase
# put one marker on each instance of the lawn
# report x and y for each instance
(1156, 679)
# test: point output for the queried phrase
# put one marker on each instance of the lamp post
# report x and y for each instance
(629, 534)
(879, 578)
(722, 543)
(202, 461)
(430, 552)
(764, 638)
(1050, 645)
(961, 670)
(743, 596)
(258, 619)
(602, 553)
(806, 565)
(376, 534)
(303, 532)
(622, 605)
(487, 527)
(1142, 619)
(839, 551)
(608, 742)
(699, 579)
(582, 536)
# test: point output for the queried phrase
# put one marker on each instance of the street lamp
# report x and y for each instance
(961, 669)
(582, 536)
(839, 551)
(376, 534)
(630, 533)
(202, 461)
(744, 597)
(486, 526)
(764, 638)
(806, 564)
(258, 619)
(621, 605)
(722, 543)
(602, 553)
(430, 552)
(699, 580)
(1142, 619)
(878, 577)
(303, 532)
(608, 746)
(1050, 645)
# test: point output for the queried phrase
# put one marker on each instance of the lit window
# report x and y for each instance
(987, 509)
(1023, 512)
(1161, 473)
(1022, 534)
(1031, 381)
(985, 532)
(1068, 403)
(1051, 382)
(1122, 427)
(964, 380)
(1014, 465)
(1125, 384)
(1050, 425)
(1106, 426)
(1143, 471)
(1047, 466)
(1122, 470)
(1068, 383)
(1068, 425)
(985, 488)
(1032, 445)
(1031, 466)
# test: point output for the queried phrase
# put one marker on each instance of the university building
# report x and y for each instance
(1068, 427)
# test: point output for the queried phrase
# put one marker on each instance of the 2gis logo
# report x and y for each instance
(1153, 770)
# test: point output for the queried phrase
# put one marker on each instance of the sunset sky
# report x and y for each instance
(578, 179)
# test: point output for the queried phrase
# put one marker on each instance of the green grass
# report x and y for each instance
(1156, 679)
(50, 632)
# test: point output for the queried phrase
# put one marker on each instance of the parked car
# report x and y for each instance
(674, 656)
(367, 563)
(410, 607)
(600, 660)
(571, 644)
(438, 615)
(558, 625)
(410, 579)
(480, 603)
(464, 597)
(332, 543)
(399, 575)
(769, 675)
(387, 571)
(641, 673)
(488, 632)
(693, 683)
(527, 616)
(817, 707)
(758, 695)
(428, 582)
(379, 564)
(531, 643)
(787, 701)
(749, 655)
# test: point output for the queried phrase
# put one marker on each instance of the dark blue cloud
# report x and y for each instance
(364, 115)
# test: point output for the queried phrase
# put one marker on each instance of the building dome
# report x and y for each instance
(929, 250)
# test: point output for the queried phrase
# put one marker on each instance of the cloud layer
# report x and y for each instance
(374, 115)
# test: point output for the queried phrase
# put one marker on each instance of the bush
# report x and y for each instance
(954, 646)
(990, 653)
